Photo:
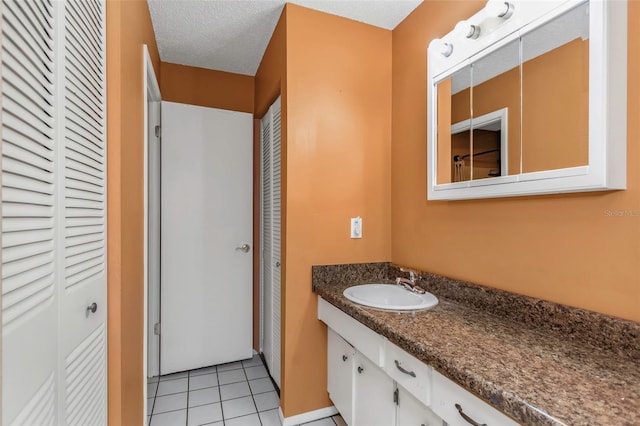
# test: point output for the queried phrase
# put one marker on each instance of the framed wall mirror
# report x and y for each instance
(529, 97)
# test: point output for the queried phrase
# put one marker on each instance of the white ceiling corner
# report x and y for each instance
(232, 35)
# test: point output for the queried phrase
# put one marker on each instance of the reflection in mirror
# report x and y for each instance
(452, 109)
(496, 103)
(488, 135)
(555, 73)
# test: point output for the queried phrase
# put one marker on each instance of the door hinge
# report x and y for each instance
(396, 397)
(156, 329)
(158, 131)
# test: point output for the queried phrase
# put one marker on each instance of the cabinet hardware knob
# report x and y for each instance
(277, 264)
(410, 373)
(467, 418)
(360, 370)
(92, 308)
(344, 358)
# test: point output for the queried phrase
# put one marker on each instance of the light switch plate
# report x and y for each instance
(356, 227)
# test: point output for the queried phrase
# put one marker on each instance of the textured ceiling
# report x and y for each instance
(232, 35)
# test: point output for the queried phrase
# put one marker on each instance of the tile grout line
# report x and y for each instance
(220, 394)
(155, 395)
(186, 423)
(216, 402)
(251, 393)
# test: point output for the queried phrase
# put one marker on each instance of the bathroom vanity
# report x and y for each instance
(371, 381)
(481, 355)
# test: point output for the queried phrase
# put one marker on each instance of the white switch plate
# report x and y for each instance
(356, 227)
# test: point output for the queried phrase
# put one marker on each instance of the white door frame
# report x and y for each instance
(151, 353)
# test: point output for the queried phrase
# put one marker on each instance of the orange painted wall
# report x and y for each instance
(270, 78)
(128, 28)
(580, 249)
(338, 100)
(207, 88)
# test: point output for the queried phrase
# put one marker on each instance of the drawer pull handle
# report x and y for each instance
(467, 418)
(410, 373)
(345, 358)
(360, 370)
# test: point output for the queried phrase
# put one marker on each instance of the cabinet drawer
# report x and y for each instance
(365, 340)
(409, 372)
(447, 394)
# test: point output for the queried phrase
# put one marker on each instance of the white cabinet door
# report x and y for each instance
(206, 236)
(340, 369)
(373, 395)
(411, 412)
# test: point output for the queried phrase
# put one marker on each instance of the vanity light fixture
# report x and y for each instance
(467, 30)
(500, 8)
(446, 49)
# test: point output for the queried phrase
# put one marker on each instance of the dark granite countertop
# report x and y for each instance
(536, 375)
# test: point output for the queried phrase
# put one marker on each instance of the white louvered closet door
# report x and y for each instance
(271, 263)
(53, 212)
(83, 333)
(29, 185)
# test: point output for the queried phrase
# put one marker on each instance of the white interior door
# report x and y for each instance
(206, 236)
(270, 232)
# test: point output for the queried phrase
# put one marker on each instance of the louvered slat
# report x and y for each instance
(276, 293)
(27, 158)
(85, 139)
(85, 381)
(271, 170)
(265, 273)
(40, 410)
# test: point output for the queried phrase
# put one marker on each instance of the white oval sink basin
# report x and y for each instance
(390, 297)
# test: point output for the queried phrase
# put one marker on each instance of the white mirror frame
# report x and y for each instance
(607, 168)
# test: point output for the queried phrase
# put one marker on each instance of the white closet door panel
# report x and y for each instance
(41, 409)
(271, 206)
(53, 212)
(277, 171)
(86, 383)
(83, 333)
(266, 242)
(29, 299)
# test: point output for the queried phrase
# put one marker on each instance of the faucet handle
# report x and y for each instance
(413, 275)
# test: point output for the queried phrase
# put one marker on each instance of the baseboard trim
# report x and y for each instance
(309, 416)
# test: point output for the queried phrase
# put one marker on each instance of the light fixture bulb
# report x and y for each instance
(446, 49)
(500, 8)
(465, 29)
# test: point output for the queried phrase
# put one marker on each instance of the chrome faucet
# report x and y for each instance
(410, 283)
